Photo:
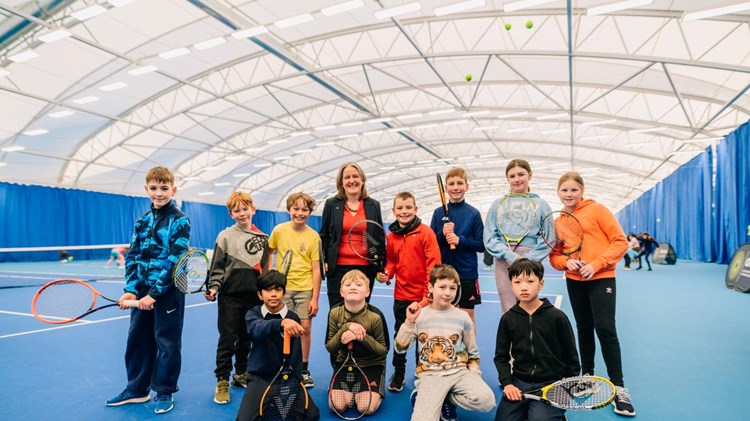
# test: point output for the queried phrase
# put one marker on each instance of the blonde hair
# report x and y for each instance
(294, 197)
(570, 175)
(341, 194)
(355, 274)
(457, 172)
(403, 196)
(238, 198)
(160, 175)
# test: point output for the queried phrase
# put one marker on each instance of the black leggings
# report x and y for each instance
(593, 304)
(645, 255)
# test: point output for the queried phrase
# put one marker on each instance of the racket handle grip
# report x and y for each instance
(453, 246)
(131, 303)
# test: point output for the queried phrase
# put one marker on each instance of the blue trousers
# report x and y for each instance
(153, 355)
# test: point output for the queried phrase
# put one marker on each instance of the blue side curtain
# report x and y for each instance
(678, 210)
(732, 193)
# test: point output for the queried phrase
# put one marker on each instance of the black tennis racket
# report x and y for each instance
(581, 393)
(515, 217)
(367, 240)
(286, 262)
(190, 274)
(350, 392)
(285, 398)
(563, 233)
(67, 300)
(441, 192)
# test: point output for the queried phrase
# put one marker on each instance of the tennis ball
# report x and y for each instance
(529, 24)
(468, 78)
(508, 26)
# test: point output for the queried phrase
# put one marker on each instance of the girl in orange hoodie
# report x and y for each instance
(591, 285)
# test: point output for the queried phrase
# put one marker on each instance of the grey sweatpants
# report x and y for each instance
(464, 388)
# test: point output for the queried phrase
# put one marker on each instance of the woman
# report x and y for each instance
(350, 205)
(648, 245)
(518, 172)
(591, 285)
(633, 247)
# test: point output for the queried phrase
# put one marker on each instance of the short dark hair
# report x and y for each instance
(272, 279)
(524, 266)
(441, 271)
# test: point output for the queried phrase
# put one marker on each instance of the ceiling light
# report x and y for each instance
(523, 4)
(113, 86)
(441, 112)
(250, 32)
(277, 141)
(120, 3)
(452, 122)
(485, 128)
(298, 134)
(263, 165)
(347, 136)
(142, 70)
(241, 175)
(213, 42)
(2, 164)
(553, 116)
(493, 155)
(519, 130)
(424, 126)
(458, 7)
(61, 114)
(88, 12)
(177, 52)
(380, 120)
(352, 124)
(342, 7)
(54, 36)
(387, 168)
(293, 21)
(410, 116)
(23, 56)
(222, 184)
(398, 10)
(475, 113)
(4, 73)
(321, 144)
(598, 122)
(511, 115)
(372, 132)
(233, 157)
(716, 11)
(299, 151)
(205, 193)
(328, 127)
(617, 6)
(282, 158)
(15, 148)
(191, 178)
(398, 129)
(36, 132)
(86, 100)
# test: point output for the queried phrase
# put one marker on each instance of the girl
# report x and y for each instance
(518, 172)
(591, 286)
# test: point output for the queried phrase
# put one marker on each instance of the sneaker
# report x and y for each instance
(221, 393)
(413, 398)
(448, 411)
(307, 379)
(396, 382)
(164, 403)
(622, 402)
(584, 388)
(239, 380)
(649, 269)
(127, 397)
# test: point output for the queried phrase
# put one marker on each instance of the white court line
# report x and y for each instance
(88, 322)
(59, 274)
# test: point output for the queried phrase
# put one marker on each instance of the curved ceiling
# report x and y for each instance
(233, 94)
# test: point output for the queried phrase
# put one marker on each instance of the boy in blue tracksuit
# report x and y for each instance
(152, 357)
(464, 232)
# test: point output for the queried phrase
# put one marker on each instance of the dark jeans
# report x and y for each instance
(233, 338)
(645, 255)
(333, 281)
(527, 409)
(399, 313)
(152, 356)
(593, 304)
(627, 260)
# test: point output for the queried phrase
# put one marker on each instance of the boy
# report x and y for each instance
(540, 341)
(464, 231)
(448, 368)
(359, 322)
(152, 356)
(240, 254)
(303, 279)
(418, 252)
(266, 325)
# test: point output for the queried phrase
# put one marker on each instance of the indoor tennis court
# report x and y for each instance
(645, 99)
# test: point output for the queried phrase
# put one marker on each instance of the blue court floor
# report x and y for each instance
(685, 343)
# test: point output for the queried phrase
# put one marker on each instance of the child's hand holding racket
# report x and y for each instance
(587, 271)
(210, 294)
(358, 330)
(384, 277)
(292, 328)
(125, 300)
(413, 312)
(146, 303)
(512, 393)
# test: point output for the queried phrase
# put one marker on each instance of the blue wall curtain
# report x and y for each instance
(732, 193)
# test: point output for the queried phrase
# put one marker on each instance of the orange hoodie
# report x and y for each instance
(604, 242)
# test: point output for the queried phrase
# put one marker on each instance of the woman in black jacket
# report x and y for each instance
(350, 205)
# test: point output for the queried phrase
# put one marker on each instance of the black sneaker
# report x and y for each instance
(396, 382)
(448, 411)
(622, 402)
(307, 379)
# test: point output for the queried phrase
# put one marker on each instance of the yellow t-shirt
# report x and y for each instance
(304, 246)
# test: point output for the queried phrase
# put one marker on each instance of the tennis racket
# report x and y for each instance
(563, 233)
(367, 240)
(581, 393)
(441, 191)
(286, 263)
(67, 300)
(190, 274)
(285, 398)
(515, 217)
(350, 393)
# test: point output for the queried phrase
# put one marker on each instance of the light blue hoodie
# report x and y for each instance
(495, 244)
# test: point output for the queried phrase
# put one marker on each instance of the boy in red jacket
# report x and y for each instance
(412, 251)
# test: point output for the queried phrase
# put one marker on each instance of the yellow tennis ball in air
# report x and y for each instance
(529, 24)
(508, 26)
(468, 78)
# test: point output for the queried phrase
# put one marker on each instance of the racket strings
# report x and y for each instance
(190, 273)
(286, 263)
(284, 401)
(563, 234)
(580, 394)
(64, 300)
(515, 216)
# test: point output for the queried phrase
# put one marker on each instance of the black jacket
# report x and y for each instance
(543, 346)
(332, 221)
